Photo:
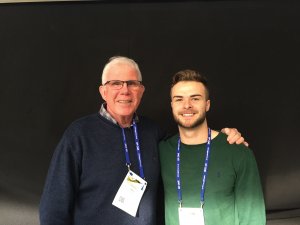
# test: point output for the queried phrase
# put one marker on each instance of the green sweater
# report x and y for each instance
(233, 193)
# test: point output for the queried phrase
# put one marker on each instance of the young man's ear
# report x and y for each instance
(207, 105)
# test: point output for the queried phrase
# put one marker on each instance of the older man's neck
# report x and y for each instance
(124, 121)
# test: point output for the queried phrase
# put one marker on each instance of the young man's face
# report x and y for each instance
(125, 101)
(189, 103)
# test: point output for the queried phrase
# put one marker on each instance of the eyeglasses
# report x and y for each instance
(118, 84)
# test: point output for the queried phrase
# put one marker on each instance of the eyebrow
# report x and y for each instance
(191, 96)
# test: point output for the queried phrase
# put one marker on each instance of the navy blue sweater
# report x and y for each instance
(87, 169)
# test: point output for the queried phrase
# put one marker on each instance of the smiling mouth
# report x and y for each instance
(187, 114)
(124, 101)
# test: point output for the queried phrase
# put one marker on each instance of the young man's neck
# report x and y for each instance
(197, 135)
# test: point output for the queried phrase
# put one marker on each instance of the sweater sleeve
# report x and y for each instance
(250, 208)
(58, 198)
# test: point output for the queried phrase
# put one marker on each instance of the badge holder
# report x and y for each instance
(191, 216)
(130, 193)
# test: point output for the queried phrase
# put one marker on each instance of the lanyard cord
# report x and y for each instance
(205, 170)
(138, 151)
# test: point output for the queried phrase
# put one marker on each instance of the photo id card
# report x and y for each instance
(191, 216)
(130, 193)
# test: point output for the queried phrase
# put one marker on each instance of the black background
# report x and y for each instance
(51, 59)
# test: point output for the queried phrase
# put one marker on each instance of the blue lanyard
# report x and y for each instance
(205, 170)
(138, 151)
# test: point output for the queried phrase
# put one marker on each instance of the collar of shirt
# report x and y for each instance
(103, 112)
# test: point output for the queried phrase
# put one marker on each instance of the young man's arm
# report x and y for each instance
(249, 200)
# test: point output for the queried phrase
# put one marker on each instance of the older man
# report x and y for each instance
(105, 169)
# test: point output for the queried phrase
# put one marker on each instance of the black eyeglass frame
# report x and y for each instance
(130, 83)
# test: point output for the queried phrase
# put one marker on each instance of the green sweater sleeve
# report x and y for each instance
(249, 201)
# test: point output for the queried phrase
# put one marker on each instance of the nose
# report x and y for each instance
(187, 104)
(125, 87)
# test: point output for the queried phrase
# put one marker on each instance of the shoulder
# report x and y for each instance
(169, 142)
(239, 156)
(147, 122)
(221, 138)
(238, 150)
(167, 149)
(83, 125)
(149, 126)
(84, 121)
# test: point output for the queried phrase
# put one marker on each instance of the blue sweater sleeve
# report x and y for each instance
(57, 201)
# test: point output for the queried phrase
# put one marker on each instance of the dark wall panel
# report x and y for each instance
(52, 54)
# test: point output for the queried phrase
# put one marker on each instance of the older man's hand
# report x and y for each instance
(234, 136)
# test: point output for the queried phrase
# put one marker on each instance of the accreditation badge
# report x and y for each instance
(130, 193)
(191, 216)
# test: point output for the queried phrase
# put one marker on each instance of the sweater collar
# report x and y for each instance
(103, 112)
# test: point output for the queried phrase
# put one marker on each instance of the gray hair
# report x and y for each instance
(120, 59)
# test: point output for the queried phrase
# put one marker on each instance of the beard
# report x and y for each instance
(200, 120)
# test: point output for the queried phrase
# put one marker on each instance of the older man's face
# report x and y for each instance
(124, 102)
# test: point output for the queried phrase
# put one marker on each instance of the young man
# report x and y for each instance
(206, 180)
(100, 152)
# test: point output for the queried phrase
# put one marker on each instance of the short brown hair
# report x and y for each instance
(190, 75)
